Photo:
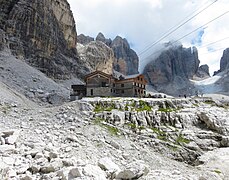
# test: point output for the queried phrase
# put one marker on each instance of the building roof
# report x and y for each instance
(98, 72)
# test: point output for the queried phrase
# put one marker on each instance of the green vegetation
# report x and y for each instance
(133, 106)
(181, 140)
(135, 127)
(111, 129)
(100, 108)
(160, 134)
(196, 105)
(166, 110)
(210, 102)
(144, 106)
(217, 171)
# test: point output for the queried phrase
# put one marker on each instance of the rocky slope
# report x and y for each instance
(171, 71)
(72, 141)
(125, 59)
(43, 33)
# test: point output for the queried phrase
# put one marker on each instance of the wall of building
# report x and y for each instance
(99, 91)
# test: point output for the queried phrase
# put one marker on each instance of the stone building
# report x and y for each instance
(100, 84)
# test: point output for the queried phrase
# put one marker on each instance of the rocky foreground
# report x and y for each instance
(115, 138)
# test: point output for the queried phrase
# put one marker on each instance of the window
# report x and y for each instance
(103, 84)
(138, 78)
(122, 91)
(111, 90)
(113, 84)
(122, 85)
(91, 92)
(135, 91)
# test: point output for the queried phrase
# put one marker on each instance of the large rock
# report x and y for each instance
(43, 32)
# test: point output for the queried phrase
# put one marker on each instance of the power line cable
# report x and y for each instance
(201, 26)
(205, 45)
(215, 50)
(170, 31)
(159, 51)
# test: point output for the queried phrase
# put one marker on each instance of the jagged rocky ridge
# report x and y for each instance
(43, 33)
(125, 59)
(171, 70)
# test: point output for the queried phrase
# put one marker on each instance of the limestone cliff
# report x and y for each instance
(171, 71)
(203, 72)
(96, 56)
(224, 62)
(127, 60)
(42, 32)
(82, 39)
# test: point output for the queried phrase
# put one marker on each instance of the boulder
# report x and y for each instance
(108, 165)
(133, 171)
(94, 172)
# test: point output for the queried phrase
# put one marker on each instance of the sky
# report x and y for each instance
(144, 22)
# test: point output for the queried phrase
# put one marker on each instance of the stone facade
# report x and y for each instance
(101, 84)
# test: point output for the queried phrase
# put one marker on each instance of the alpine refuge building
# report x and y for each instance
(100, 84)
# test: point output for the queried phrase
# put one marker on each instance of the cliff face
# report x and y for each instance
(127, 60)
(172, 69)
(96, 56)
(224, 62)
(203, 72)
(43, 32)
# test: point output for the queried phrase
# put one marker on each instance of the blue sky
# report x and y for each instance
(142, 22)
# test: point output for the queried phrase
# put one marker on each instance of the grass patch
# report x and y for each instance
(182, 140)
(143, 106)
(160, 134)
(99, 108)
(112, 130)
(166, 110)
(217, 171)
(195, 105)
(210, 102)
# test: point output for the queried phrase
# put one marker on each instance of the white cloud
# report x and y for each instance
(143, 22)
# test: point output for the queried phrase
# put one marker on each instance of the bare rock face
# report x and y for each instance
(203, 72)
(43, 32)
(82, 39)
(224, 62)
(96, 56)
(127, 59)
(101, 37)
(170, 72)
